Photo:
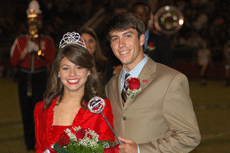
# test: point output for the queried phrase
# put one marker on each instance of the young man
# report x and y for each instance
(161, 117)
(157, 47)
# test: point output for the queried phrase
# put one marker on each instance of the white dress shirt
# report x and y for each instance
(134, 73)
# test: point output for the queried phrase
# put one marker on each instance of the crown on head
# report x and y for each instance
(72, 38)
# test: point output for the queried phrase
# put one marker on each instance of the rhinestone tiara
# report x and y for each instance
(72, 38)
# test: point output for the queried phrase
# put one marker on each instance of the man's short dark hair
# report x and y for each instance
(124, 21)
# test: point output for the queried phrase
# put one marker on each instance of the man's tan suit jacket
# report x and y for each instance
(161, 117)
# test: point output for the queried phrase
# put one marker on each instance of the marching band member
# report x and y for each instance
(32, 53)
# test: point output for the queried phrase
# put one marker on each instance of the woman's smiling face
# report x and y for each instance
(72, 76)
(90, 42)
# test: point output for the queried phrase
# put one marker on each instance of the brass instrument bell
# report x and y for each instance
(168, 20)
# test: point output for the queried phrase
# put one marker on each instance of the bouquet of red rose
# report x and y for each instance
(83, 141)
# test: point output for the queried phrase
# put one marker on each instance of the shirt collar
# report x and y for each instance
(135, 71)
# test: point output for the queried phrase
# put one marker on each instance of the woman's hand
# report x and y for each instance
(117, 69)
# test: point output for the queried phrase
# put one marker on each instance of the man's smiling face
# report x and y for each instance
(127, 47)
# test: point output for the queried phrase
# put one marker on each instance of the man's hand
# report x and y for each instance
(128, 146)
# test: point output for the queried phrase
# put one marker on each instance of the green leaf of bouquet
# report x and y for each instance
(108, 141)
(58, 148)
(132, 97)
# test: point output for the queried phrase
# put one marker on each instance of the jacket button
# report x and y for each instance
(124, 117)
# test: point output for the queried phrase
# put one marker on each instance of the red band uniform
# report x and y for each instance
(38, 77)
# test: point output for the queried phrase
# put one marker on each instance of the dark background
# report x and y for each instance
(61, 16)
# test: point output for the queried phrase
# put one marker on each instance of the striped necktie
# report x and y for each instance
(124, 94)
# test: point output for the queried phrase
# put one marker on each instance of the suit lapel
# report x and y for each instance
(145, 77)
(116, 85)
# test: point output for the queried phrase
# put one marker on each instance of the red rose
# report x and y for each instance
(63, 140)
(81, 133)
(151, 44)
(134, 83)
(89, 136)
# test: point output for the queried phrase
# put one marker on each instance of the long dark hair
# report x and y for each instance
(79, 56)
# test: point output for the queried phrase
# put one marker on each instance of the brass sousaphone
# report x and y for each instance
(168, 20)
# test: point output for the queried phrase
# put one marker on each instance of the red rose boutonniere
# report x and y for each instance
(151, 46)
(133, 87)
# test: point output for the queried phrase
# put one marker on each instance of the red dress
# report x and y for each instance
(46, 134)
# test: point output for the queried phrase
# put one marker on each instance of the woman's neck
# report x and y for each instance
(68, 107)
(72, 98)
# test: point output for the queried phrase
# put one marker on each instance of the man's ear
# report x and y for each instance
(142, 39)
(88, 73)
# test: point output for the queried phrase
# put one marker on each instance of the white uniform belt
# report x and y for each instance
(35, 71)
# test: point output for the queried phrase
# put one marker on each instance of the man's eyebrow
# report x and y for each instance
(128, 32)
(113, 36)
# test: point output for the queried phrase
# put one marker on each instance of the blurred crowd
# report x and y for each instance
(206, 21)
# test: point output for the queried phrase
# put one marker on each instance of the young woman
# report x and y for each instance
(73, 82)
(93, 46)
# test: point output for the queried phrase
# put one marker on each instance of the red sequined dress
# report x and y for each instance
(46, 134)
